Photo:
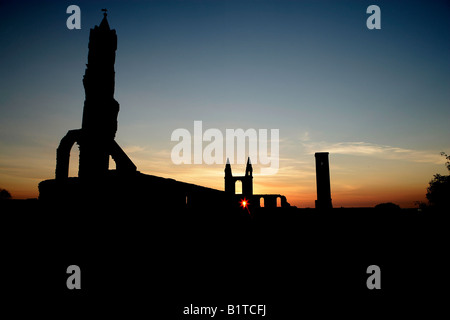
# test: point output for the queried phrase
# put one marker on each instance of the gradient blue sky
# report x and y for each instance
(377, 100)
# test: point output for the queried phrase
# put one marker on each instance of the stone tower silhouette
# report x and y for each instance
(100, 111)
(99, 124)
(323, 181)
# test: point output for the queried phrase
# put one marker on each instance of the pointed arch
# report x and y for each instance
(63, 153)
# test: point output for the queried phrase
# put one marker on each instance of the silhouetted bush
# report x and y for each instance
(388, 206)
(4, 194)
(438, 191)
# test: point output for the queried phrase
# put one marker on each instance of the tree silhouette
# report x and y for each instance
(447, 164)
(4, 194)
(438, 191)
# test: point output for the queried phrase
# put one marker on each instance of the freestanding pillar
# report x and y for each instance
(323, 181)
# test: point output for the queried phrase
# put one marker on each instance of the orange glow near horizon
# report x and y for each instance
(301, 195)
(192, 97)
(352, 185)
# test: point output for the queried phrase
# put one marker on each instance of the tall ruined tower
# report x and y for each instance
(99, 124)
(100, 108)
(323, 181)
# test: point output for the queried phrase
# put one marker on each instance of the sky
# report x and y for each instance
(376, 100)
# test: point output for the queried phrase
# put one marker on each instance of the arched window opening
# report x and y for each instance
(74, 157)
(238, 186)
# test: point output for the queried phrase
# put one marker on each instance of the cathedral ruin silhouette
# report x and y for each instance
(96, 141)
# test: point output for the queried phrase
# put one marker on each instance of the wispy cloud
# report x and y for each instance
(305, 136)
(375, 150)
(133, 149)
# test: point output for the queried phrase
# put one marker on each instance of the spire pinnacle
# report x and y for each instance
(104, 24)
(249, 168)
(228, 168)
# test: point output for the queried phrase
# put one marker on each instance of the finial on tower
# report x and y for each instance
(104, 24)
